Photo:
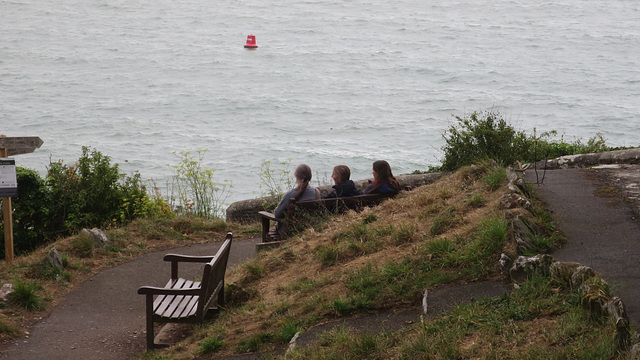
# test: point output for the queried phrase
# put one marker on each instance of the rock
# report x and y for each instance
(425, 306)
(100, 240)
(513, 200)
(54, 259)
(580, 275)
(524, 231)
(618, 314)
(5, 291)
(505, 261)
(525, 266)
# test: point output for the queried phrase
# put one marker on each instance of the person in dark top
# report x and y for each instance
(343, 187)
(383, 180)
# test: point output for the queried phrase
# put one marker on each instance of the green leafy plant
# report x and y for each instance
(275, 180)
(197, 192)
(93, 193)
(486, 135)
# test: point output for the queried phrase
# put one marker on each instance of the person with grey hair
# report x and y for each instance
(301, 192)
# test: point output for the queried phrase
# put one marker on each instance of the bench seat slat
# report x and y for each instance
(180, 304)
(163, 301)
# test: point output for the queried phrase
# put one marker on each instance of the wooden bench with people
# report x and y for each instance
(187, 301)
(305, 199)
(332, 205)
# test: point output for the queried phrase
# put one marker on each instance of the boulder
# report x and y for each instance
(5, 291)
(54, 259)
(100, 240)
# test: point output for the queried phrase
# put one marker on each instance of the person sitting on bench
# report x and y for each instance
(300, 193)
(344, 186)
(383, 180)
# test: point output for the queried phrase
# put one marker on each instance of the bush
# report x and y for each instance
(90, 193)
(31, 213)
(487, 136)
(197, 192)
(93, 193)
(482, 136)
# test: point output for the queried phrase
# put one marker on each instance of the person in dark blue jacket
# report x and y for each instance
(383, 180)
(343, 187)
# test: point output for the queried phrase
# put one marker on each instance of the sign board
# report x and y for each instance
(8, 178)
(20, 145)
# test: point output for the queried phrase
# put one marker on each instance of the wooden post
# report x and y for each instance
(7, 213)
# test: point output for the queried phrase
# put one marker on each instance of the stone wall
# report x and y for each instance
(246, 211)
(629, 156)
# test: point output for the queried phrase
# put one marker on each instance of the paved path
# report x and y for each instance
(104, 318)
(602, 232)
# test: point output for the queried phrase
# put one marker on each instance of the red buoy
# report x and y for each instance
(251, 42)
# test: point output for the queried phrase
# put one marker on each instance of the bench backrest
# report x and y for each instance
(342, 204)
(213, 276)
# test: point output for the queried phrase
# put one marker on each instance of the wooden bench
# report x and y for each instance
(187, 301)
(333, 205)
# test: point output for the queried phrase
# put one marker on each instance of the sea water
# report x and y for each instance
(332, 82)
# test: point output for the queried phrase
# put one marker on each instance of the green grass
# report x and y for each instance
(211, 345)
(443, 221)
(492, 328)
(25, 295)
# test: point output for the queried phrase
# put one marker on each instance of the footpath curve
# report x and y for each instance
(104, 319)
(597, 209)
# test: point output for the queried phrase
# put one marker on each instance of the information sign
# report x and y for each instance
(8, 178)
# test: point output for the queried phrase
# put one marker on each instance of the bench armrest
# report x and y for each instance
(188, 258)
(270, 216)
(153, 290)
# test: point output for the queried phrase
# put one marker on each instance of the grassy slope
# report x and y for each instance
(380, 259)
(384, 258)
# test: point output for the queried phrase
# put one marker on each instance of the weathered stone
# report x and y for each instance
(635, 352)
(54, 259)
(628, 156)
(5, 291)
(525, 266)
(505, 261)
(513, 200)
(425, 303)
(100, 240)
(563, 271)
(580, 275)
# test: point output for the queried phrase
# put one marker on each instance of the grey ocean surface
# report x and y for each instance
(332, 82)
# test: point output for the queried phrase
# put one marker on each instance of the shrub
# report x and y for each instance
(197, 191)
(93, 193)
(32, 226)
(274, 182)
(487, 135)
(482, 136)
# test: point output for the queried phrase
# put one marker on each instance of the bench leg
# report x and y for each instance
(150, 333)
(265, 229)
